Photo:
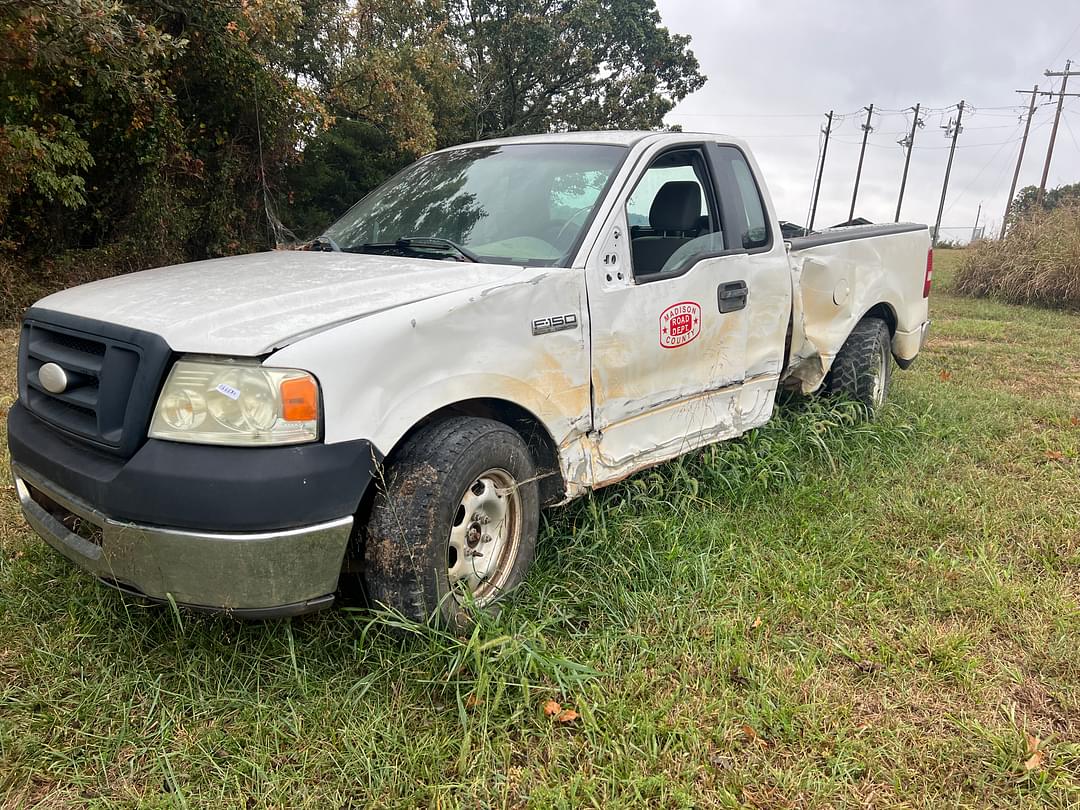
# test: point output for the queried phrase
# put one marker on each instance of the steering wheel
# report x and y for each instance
(569, 222)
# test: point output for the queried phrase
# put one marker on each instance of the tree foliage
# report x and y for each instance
(163, 130)
(542, 65)
(1025, 201)
(141, 121)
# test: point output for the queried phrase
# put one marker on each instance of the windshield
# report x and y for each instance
(513, 204)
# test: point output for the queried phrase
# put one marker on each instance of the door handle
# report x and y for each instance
(731, 296)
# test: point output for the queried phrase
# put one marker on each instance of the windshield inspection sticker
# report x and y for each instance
(227, 390)
(679, 324)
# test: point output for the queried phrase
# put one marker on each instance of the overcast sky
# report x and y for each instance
(776, 67)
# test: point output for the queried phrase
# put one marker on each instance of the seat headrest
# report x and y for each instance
(677, 206)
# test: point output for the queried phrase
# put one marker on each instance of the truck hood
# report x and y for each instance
(249, 305)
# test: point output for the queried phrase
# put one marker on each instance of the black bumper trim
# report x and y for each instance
(200, 487)
(247, 614)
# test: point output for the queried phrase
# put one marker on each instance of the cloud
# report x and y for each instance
(775, 68)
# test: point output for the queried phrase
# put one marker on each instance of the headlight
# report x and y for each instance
(236, 403)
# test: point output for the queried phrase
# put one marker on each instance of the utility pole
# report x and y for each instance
(1053, 132)
(954, 130)
(1019, 158)
(821, 170)
(866, 130)
(975, 230)
(907, 144)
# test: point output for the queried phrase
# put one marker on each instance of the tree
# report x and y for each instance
(338, 168)
(1024, 202)
(544, 65)
(143, 132)
(382, 68)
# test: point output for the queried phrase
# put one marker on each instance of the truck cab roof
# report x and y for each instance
(619, 137)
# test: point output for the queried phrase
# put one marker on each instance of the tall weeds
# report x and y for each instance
(1038, 262)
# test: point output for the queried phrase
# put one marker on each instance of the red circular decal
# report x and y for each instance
(679, 324)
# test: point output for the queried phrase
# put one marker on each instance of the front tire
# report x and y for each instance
(862, 369)
(458, 510)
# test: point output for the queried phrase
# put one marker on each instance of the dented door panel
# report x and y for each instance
(685, 361)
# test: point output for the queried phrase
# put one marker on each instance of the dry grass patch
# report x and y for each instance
(1038, 262)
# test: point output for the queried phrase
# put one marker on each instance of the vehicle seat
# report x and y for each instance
(675, 210)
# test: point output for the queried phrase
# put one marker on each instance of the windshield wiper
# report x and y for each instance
(437, 242)
(323, 243)
(418, 244)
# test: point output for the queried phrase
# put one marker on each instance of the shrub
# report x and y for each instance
(1038, 262)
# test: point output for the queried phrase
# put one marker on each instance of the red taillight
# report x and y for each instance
(929, 273)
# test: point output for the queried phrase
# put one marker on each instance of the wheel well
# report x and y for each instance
(885, 313)
(544, 451)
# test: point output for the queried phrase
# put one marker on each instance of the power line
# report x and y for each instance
(738, 134)
(868, 118)
(979, 174)
(1069, 39)
(757, 115)
(959, 146)
(1072, 135)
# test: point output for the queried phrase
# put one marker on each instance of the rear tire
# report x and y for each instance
(459, 508)
(862, 369)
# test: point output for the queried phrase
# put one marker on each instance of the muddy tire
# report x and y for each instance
(458, 510)
(863, 367)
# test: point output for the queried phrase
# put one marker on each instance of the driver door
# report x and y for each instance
(669, 318)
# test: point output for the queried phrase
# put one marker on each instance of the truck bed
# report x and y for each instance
(847, 273)
(830, 236)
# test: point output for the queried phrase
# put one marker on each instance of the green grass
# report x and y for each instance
(822, 614)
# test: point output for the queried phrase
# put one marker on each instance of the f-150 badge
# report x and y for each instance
(556, 323)
(679, 324)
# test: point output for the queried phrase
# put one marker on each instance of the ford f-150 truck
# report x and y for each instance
(500, 326)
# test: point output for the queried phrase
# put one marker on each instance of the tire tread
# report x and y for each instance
(853, 369)
(398, 573)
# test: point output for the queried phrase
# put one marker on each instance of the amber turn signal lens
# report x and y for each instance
(299, 400)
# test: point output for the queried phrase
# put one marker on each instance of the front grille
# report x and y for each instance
(113, 374)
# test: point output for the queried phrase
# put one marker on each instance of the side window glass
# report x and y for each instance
(671, 214)
(640, 202)
(751, 221)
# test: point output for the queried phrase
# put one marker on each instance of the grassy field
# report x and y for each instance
(822, 614)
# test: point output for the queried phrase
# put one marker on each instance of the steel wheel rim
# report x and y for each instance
(878, 391)
(485, 535)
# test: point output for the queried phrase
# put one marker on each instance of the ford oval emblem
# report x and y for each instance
(53, 378)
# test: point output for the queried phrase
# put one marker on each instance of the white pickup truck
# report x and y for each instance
(500, 326)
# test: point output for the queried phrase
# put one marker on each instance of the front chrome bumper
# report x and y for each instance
(255, 575)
